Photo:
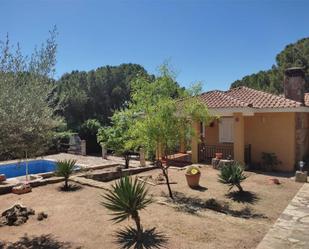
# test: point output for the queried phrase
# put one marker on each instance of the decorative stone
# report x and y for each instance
(215, 163)
(224, 163)
(42, 216)
(301, 176)
(15, 215)
(274, 181)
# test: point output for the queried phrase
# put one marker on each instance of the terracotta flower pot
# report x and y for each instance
(274, 181)
(219, 155)
(193, 180)
(21, 189)
(2, 177)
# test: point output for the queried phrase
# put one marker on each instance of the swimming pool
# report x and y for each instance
(34, 167)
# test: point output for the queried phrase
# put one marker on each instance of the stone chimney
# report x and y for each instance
(294, 84)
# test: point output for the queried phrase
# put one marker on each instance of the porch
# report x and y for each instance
(226, 136)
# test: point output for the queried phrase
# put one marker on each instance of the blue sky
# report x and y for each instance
(215, 42)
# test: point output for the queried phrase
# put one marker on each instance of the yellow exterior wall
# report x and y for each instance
(266, 132)
(212, 133)
(273, 133)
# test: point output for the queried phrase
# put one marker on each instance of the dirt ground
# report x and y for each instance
(77, 220)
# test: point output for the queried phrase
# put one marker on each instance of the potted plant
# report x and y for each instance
(2, 177)
(21, 188)
(219, 155)
(193, 175)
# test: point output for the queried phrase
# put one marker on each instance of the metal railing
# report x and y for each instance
(207, 152)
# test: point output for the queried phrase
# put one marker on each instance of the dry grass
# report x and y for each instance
(76, 219)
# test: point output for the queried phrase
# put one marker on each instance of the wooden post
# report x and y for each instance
(142, 157)
(194, 141)
(239, 138)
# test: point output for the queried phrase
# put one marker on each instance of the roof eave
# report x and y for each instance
(250, 111)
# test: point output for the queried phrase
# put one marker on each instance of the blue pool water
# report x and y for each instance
(34, 167)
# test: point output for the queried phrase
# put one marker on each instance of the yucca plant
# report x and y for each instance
(65, 168)
(126, 198)
(232, 175)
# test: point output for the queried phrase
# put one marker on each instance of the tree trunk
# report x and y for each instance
(66, 186)
(138, 226)
(239, 188)
(165, 173)
(127, 161)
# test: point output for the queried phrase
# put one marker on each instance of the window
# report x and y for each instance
(202, 129)
(226, 130)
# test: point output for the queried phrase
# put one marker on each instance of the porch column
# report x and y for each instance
(239, 138)
(195, 140)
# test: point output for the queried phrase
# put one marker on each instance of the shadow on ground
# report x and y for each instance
(71, 188)
(193, 204)
(151, 239)
(199, 188)
(38, 242)
(243, 197)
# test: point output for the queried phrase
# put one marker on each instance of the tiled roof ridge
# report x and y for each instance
(281, 97)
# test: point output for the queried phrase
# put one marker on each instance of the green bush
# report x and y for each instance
(232, 175)
(269, 161)
(60, 142)
(126, 198)
(64, 169)
(88, 131)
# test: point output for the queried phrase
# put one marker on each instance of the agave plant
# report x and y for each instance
(232, 175)
(126, 198)
(65, 168)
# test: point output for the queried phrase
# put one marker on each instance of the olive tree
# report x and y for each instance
(27, 103)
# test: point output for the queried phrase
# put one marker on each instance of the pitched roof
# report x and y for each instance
(248, 97)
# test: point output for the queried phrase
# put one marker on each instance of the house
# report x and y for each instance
(251, 122)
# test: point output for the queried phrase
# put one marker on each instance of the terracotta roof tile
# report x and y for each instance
(219, 99)
(248, 97)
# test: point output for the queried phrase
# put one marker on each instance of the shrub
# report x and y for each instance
(193, 170)
(88, 131)
(232, 175)
(60, 142)
(269, 161)
(126, 198)
(65, 168)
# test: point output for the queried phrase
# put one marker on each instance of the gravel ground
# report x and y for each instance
(77, 220)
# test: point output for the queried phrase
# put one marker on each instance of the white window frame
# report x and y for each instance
(226, 130)
(203, 130)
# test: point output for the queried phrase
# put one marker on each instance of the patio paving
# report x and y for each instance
(291, 230)
(93, 161)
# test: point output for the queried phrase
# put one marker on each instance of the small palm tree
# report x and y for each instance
(232, 175)
(126, 198)
(65, 168)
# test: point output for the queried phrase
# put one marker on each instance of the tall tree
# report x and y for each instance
(161, 113)
(96, 94)
(296, 54)
(27, 99)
